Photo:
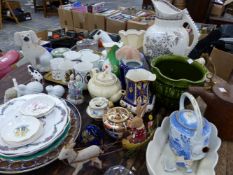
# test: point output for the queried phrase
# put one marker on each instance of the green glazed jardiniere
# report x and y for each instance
(174, 75)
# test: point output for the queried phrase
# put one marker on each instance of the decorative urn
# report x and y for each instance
(189, 134)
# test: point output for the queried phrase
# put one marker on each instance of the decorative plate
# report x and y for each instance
(48, 155)
(59, 52)
(21, 131)
(158, 152)
(54, 124)
(38, 106)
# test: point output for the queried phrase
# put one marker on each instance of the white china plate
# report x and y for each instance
(21, 131)
(54, 124)
(158, 150)
(38, 106)
(72, 55)
(89, 56)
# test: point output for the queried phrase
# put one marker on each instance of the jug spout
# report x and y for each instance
(117, 96)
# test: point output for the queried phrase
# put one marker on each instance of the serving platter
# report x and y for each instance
(54, 124)
(158, 152)
(48, 155)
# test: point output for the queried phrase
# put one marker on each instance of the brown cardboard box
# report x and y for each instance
(114, 26)
(223, 62)
(95, 21)
(43, 35)
(137, 25)
(65, 18)
(217, 10)
(13, 5)
(80, 20)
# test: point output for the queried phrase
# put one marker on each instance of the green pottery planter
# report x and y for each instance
(174, 75)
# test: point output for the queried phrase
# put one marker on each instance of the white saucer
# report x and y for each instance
(21, 131)
(90, 114)
(38, 106)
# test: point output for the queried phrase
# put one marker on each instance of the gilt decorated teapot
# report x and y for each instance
(189, 134)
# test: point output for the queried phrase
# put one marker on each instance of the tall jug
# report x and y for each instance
(168, 35)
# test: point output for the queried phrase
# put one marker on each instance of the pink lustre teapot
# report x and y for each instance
(167, 35)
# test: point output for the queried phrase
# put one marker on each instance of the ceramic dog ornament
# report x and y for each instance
(33, 53)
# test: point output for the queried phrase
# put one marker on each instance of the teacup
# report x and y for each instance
(88, 55)
(84, 68)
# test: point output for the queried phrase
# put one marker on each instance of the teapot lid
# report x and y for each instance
(118, 115)
(105, 78)
(187, 119)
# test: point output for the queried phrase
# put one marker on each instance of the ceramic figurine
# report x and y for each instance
(34, 73)
(33, 87)
(137, 85)
(56, 90)
(10, 94)
(33, 52)
(189, 134)
(75, 88)
(132, 37)
(78, 159)
(136, 125)
(167, 35)
(104, 84)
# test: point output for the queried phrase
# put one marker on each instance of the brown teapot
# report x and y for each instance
(219, 101)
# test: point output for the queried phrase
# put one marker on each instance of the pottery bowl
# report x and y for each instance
(174, 75)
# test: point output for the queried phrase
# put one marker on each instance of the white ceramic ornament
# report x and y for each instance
(56, 90)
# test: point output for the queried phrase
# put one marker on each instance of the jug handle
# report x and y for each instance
(196, 33)
(196, 111)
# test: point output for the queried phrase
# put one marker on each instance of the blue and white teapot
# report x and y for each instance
(189, 134)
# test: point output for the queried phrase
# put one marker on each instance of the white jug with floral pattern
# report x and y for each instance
(167, 35)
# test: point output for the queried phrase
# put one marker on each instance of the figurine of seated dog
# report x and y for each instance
(33, 53)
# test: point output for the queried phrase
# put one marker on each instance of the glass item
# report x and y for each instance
(113, 61)
(87, 44)
(118, 170)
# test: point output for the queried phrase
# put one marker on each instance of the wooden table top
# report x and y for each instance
(137, 161)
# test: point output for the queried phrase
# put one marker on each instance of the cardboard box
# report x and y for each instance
(137, 25)
(65, 18)
(80, 20)
(217, 10)
(95, 21)
(114, 26)
(43, 35)
(223, 62)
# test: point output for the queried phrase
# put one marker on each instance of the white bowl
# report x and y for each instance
(72, 55)
(158, 149)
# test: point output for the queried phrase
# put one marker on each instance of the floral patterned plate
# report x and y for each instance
(54, 124)
(46, 156)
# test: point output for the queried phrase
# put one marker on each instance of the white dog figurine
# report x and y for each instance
(33, 53)
(77, 159)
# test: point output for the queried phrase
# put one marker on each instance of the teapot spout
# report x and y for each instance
(116, 97)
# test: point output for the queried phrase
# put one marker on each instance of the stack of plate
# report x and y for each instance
(33, 129)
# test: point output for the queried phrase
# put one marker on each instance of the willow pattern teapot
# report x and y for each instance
(189, 134)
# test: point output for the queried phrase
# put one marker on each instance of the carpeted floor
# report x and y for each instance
(38, 21)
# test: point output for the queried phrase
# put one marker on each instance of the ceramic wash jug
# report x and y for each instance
(189, 134)
(167, 35)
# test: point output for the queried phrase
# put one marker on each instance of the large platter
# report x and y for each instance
(54, 124)
(158, 151)
(48, 155)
